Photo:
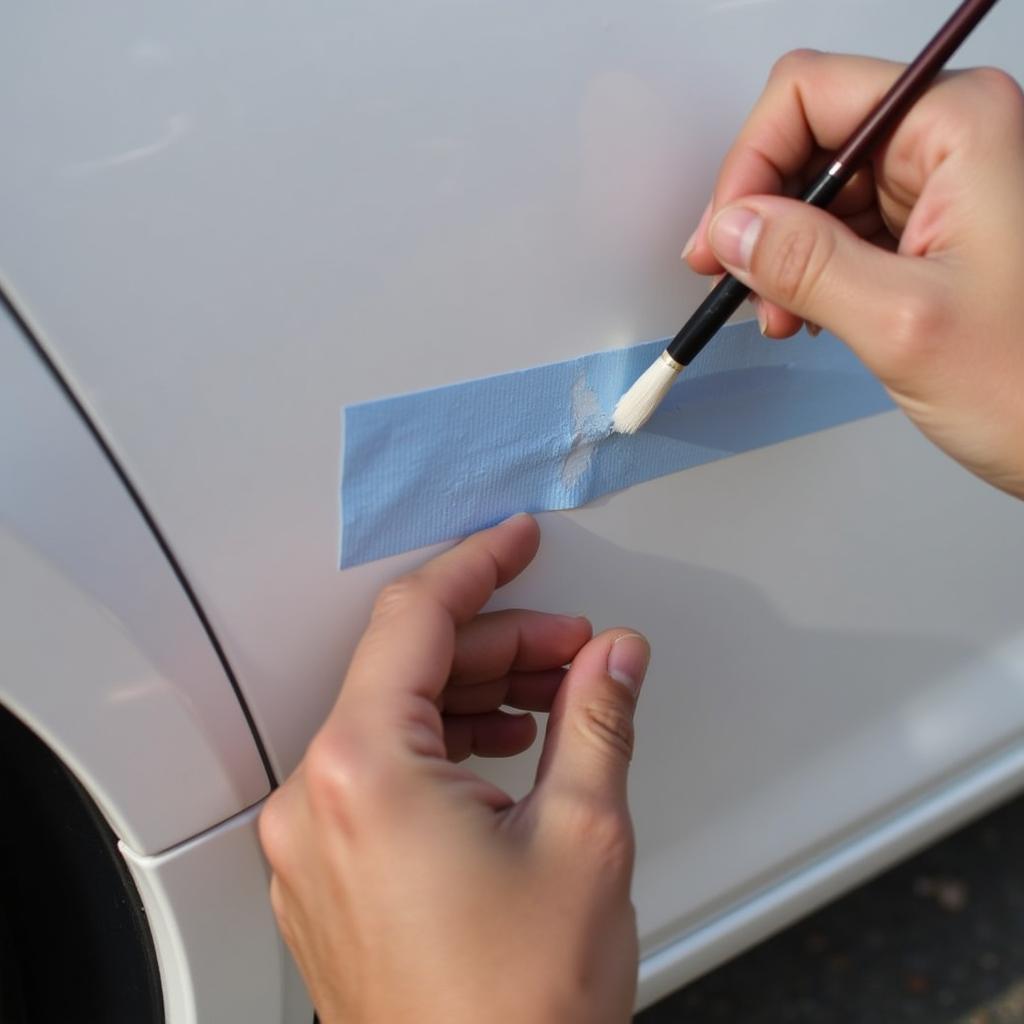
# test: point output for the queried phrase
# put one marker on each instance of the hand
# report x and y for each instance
(918, 265)
(411, 890)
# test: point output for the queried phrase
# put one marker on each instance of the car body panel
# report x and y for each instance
(221, 957)
(104, 657)
(226, 222)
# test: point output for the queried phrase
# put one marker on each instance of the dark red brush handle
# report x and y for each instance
(726, 297)
(914, 80)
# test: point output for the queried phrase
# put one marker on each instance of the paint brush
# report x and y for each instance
(639, 403)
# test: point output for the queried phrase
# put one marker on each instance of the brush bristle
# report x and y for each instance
(639, 403)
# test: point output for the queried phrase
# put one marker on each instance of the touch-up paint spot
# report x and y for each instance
(590, 426)
(439, 464)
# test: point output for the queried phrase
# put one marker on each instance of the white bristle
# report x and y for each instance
(639, 403)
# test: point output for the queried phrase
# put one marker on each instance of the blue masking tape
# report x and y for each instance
(439, 464)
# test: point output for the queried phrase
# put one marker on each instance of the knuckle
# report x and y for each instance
(332, 779)
(1001, 89)
(609, 724)
(792, 64)
(591, 827)
(607, 833)
(799, 259)
(913, 327)
(962, 94)
(274, 833)
(397, 596)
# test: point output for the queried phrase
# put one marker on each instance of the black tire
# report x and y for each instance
(75, 945)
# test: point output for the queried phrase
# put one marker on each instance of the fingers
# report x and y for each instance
(510, 658)
(777, 322)
(410, 643)
(946, 122)
(812, 100)
(492, 645)
(493, 734)
(528, 691)
(464, 578)
(589, 741)
(811, 264)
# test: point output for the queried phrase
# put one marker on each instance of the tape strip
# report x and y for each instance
(439, 464)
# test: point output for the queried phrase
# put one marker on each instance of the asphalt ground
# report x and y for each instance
(938, 939)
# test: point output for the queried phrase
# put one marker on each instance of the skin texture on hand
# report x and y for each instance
(411, 890)
(917, 265)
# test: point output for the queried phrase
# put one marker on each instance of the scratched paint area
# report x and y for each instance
(591, 424)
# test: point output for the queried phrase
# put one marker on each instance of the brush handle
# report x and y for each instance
(726, 297)
(707, 320)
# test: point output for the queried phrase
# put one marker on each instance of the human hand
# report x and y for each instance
(918, 264)
(411, 890)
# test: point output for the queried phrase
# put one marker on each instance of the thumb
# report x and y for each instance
(589, 740)
(811, 264)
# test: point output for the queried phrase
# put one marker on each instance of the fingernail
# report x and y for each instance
(627, 660)
(813, 329)
(518, 515)
(691, 242)
(762, 316)
(733, 235)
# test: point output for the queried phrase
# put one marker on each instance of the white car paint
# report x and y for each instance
(106, 660)
(220, 955)
(225, 222)
(103, 655)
